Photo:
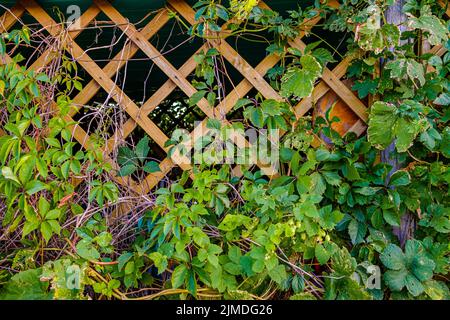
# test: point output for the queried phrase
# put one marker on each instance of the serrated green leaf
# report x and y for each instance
(396, 279)
(322, 255)
(179, 276)
(393, 257)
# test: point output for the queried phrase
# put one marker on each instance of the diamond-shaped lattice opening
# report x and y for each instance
(140, 77)
(173, 42)
(175, 113)
(230, 77)
(140, 13)
(252, 46)
(102, 40)
(138, 150)
(173, 175)
(347, 118)
(226, 80)
(283, 7)
(101, 117)
(334, 42)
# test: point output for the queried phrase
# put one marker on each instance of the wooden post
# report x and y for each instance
(395, 15)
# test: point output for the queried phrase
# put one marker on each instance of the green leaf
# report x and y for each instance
(46, 230)
(367, 191)
(413, 285)
(26, 165)
(179, 276)
(56, 227)
(28, 227)
(103, 239)
(423, 267)
(129, 267)
(87, 251)
(233, 268)
(278, 274)
(151, 167)
(242, 103)
(382, 117)
(2, 48)
(299, 82)
(350, 172)
(356, 231)
(406, 131)
(142, 149)
(65, 168)
(366, 87)
(443, 99)
(75, 166)
(8, 174)
(196, 97)
(329, 217)
(53, 214)
(191, 284)
(392, 217)
(53, 142)
(437, 31)
(400, 178)
(402, 69)
(308, 209)
(393, 257)
(42, 168)
(323, 55)
(396, 279)
(126, 170)
(257, 117)
(233, 221)
(44, 206)
(321, 254)
(437, 290)
(123, 259)
(298, 284)
(35, 186)
(2, 87)
(159, 260)
(332, 178)
(318, 185)
(26, 285)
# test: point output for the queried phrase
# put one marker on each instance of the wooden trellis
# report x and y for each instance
(139, 41)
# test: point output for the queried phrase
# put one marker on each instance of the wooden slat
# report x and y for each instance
(83, 21)
(359, 128)
(245, 85)
(230, 54)
(129, 50)
(9, 18)
(153, 53)
(228, 103)
(162, 93)
(97, 73)
(224, 106)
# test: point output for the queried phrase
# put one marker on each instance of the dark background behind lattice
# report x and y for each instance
(141, 77)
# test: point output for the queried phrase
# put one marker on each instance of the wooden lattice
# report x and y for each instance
(101, 78)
